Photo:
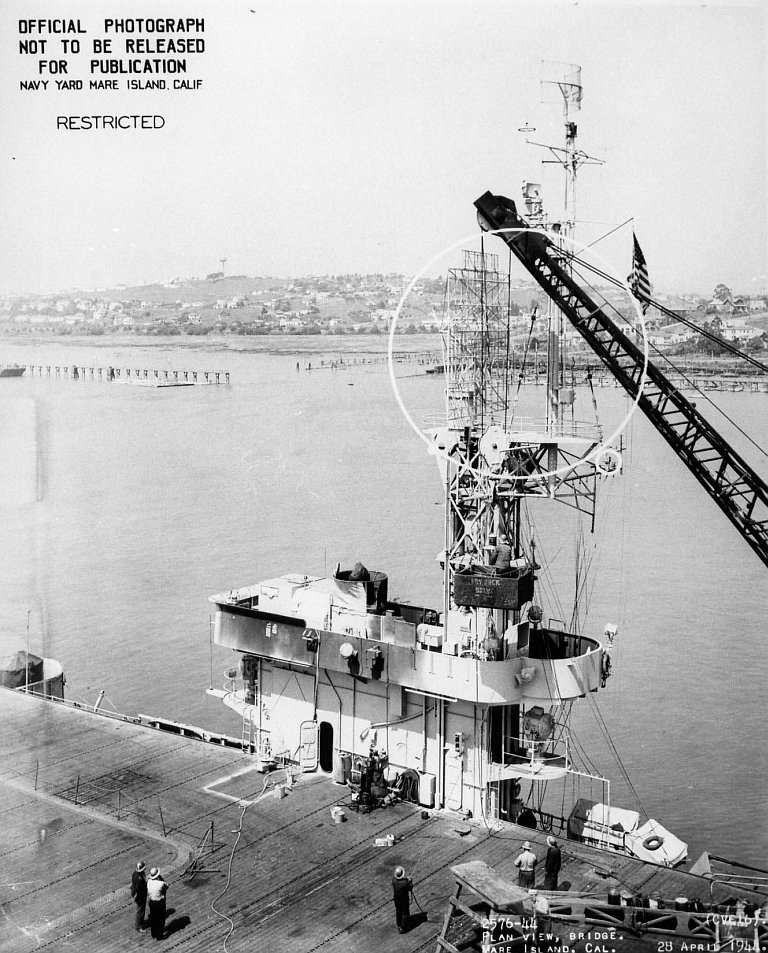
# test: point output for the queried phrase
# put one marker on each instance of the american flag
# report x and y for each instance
(639, 282)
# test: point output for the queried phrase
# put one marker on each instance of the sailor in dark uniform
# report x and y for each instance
(402, 886)
(552, 864)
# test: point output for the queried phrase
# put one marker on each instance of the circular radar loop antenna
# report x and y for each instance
(590, 457)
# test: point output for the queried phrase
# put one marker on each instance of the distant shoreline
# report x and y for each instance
(287, 344)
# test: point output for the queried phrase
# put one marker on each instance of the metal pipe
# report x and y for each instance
(333, 687)
(317, 678)
(26, 667)
(441, 753)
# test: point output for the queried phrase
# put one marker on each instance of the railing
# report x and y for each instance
(714, 926)
(116, 795)
(538, 426)
(557, 644)
(534, 752)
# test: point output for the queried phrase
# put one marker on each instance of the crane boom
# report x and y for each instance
(736, 488)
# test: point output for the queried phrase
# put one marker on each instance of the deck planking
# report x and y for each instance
(299, 882)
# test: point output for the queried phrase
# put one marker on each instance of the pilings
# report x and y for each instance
(702, 382)
(691, 381)
(164, 376)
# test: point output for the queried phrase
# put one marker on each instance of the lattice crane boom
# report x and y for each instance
(729, 480)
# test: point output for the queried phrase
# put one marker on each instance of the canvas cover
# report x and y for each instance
(13, 669)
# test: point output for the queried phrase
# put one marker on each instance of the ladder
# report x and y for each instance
(247, 736)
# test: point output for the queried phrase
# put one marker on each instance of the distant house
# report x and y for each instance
(384, 314)
(735, 329)
(672, 334)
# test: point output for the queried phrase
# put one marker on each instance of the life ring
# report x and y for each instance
(653, 842)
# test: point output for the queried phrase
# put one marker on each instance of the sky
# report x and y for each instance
(334, 136)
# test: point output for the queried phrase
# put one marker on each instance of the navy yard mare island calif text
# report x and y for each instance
(130, 54)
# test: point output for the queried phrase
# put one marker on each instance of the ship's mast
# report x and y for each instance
(496, 460)
(493, 460)
(565, 81)
(482, 515)
(561, 81)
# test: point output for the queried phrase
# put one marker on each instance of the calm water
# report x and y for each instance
(153, 499)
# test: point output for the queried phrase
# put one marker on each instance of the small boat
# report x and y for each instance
(12, 370)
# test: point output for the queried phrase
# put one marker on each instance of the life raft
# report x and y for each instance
(653, 842)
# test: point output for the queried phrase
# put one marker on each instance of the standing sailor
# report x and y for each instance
(552, 864)
(139, 894)
(402, 887)
(526, 862)
(156, 891)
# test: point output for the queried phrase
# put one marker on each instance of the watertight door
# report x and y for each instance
(308, 755)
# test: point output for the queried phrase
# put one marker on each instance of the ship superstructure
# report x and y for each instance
(470, 698)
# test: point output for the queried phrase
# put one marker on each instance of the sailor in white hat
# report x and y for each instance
(402, 887)
(526, 863)
(156, 891)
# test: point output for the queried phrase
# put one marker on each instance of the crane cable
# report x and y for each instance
(521, 373)
(671, 363)
(737, 352)
(609, 740)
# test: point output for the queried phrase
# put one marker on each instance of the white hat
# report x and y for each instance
(527, 845)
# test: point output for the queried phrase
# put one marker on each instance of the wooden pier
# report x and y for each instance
(693, 381)
(164, 377)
